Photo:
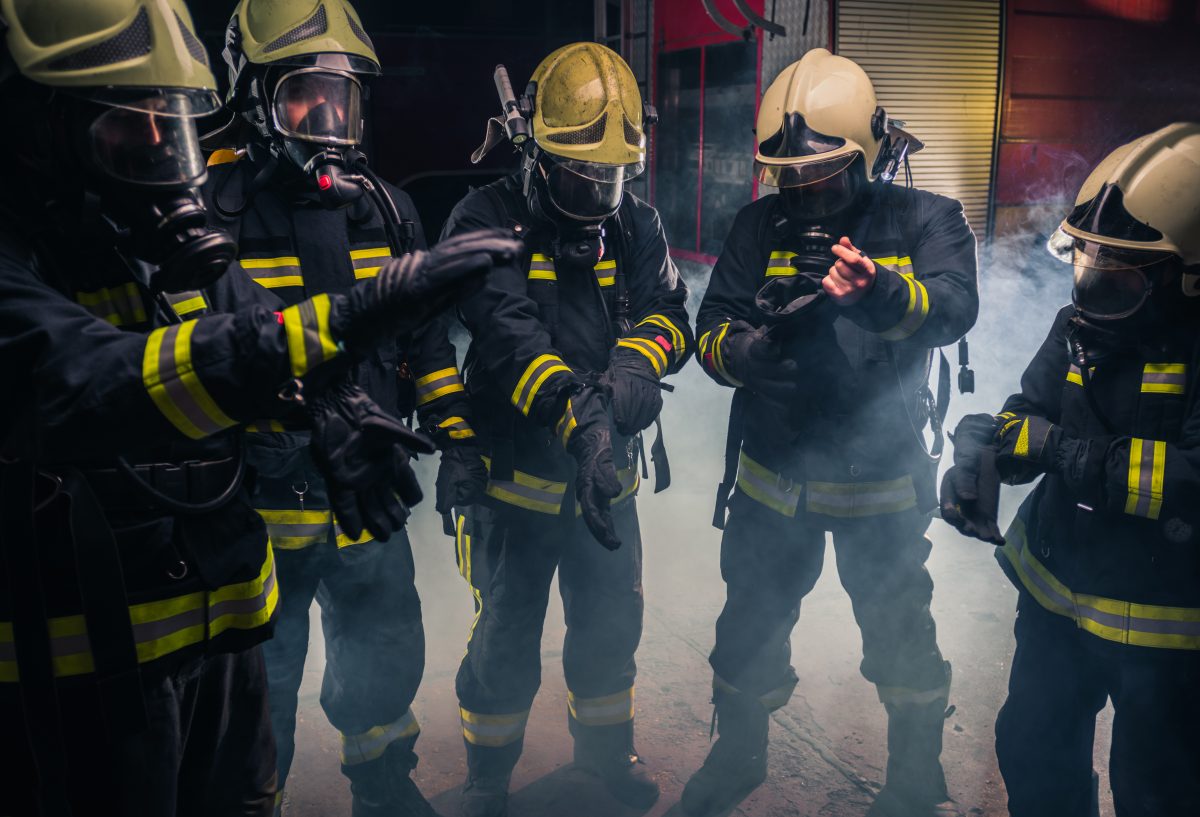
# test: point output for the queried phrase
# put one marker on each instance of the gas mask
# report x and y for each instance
(141, 151)
(818, 191)
(573, 193)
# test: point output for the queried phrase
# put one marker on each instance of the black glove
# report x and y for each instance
(756, 359)
(590, 444)
(411, 289)
(462, 477)
(970, 495)
(362, 452)
(633, 387)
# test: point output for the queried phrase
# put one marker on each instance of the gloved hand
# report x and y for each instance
(363, 453)
(970, 495)
(589, 441)
(1025, 443)
(756, 359)
(462, 477)
(633, 386)
(411, 289)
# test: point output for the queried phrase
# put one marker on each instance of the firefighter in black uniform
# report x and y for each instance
(311, 217)
(568, 348)
(136, 580)
(1105, 550)
(822, 312)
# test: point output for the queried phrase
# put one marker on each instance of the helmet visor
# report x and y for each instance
(1112, 283)
(315, 105)
(588, 191)
(151, 142)
(802, 174)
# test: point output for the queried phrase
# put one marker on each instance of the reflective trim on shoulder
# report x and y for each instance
(541, 268)
(374, 742)
(438, 384)
(1147, 472)
(309, 342)
(368, 261)
(120, 305)
(1125, 622)
(1164, 378)
(535, 375)
(605, 710)
(173, 384)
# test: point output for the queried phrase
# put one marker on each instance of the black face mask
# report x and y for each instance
(330, 169)
(826, 199)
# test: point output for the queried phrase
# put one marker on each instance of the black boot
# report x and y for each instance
(608, 753)
(383, 787)
(737, 763)
(489, 770)
(916, 783)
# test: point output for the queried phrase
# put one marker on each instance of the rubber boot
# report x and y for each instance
(737, 763)
(384, 787)
(916, 782)
(489, 771)
(608, 753)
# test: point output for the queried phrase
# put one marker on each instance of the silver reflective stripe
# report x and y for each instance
(777, 492)
(375, 741)
(857, 499)
(493, 730)
(605, 710)
(1164, 378)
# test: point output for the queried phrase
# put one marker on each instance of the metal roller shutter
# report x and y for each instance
(935, 65)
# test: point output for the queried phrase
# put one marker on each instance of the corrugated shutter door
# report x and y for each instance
(935, 65)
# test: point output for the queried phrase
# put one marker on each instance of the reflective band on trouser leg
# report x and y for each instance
(457, 427)
(438, 384)
(1142, 625)
(678, 338)
(294, 530)
(159, 627)
(274, 272)
(857, 499)
(375, 741)
(904, 696)
(120, 305)
(914, 314)
(650, 350)
(1164, 378)
(535, 375)
(174, 386)
(493, 730)
(766, 487)
(771, 700)
(309, 342)
(541, 268)
(606, 710)
(566, 424)
(780, 264)
(528, 492)
(368, 261)
(1147, 466)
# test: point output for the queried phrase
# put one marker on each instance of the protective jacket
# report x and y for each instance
(293, 248)
(854, 448)
(547, 324)
(1111, 541)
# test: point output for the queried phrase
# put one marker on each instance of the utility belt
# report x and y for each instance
(194, 482)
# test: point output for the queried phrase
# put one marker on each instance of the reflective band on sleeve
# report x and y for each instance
(294, 529)
(780, 264)
(1125, 622)
(457, 428)
(541, 268)
(566, 424)
(536, 374)
(606, 710)
(187, 303)
(120, 305)
(763, 485)
(174, 386)
(272, 273)
(914, 314)
(678, 338)
(902, 264)
(309, 342)
(159, 627)
(493, 730)
(438, 384)
(718, 358)
(1164, 378)
(650, 350)
(858, 499)
(375, 741)
(367, 262)
(1147, 468)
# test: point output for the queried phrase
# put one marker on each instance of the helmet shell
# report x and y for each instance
(588, 106)
(281, 30)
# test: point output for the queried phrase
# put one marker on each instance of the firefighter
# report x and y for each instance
(136, 581)
(568, 347)
(822, 312)
(311, 217)
(1104, 551)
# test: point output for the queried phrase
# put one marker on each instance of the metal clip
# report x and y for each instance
(292, 392)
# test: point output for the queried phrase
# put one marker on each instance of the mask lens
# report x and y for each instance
(1111, 283)
(319, 106)
(155, 143)
(803, 174)
(588, 191)
(826, 194)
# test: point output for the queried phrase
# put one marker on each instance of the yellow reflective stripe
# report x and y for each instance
(719, 359)
(534, 376)
(462, 542)
(780, 264)
(894, 261)
(458, 428)
(1021, 448)
(295, 529)
(1074, 375)
(650, 350)
(283, 271)
(375, 741)
(120, 305)
(527, 491)
(766, 487)
(189, 305)
(914, 313)
(605, 710)
(1125, 622)
(541, 268)
(493, 730)
(172, 383)
(678, 339)
(270, 263)
(851, 500)
(602, 267)
(247, 605)
(1147, 471)
(309, 340)
(369, 254)
(1164, 378)
(438, 384)
(566, 424)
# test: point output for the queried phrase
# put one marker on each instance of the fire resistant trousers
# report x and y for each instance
(207, 752)
(1046, 729)
(770, 562)
(374, 645)
(509, 556)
